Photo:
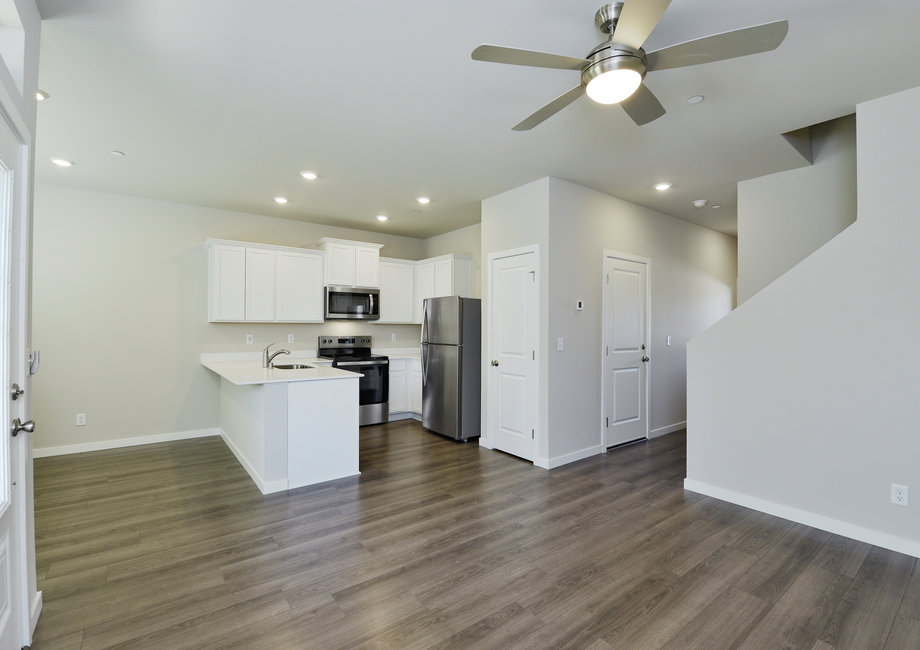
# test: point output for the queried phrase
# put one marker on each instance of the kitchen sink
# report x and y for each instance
(291, 366)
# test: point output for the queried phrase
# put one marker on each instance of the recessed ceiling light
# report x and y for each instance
(381, 217)
(117, 153)
(661, 187)
(41, 94)
(63, 163)
(423, 199)
(280, 199)
(696, 99)
(716, 207)
(308, 175)
(699, 203)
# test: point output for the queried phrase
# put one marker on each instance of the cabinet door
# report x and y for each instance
(425, 287)
(415, 386)
(398, 398)
(298, 287)
(397, 292)
(444, 278)
(340, 264)
(260, 284)
(227, 283)
(367, 261)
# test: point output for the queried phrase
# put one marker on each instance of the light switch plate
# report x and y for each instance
(249, 338)
(559, 343)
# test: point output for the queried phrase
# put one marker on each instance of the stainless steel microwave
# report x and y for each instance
(349, 303)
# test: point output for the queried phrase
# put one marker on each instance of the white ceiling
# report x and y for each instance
(222, 103)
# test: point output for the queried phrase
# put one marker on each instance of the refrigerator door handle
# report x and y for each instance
(424, 364)
(424, 323)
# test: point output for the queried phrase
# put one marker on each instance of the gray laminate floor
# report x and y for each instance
(443, 545)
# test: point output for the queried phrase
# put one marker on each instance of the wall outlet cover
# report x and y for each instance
(81, 419)
(249, 338)
(290, 338)
(899, 494)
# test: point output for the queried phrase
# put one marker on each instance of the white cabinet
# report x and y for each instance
(415, 386)
(446, 275)
(397, 291)
(351, 263)
(399, 398)
(261, 283)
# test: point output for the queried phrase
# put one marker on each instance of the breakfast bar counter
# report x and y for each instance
(288, 428)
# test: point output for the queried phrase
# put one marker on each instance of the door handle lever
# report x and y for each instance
(28, 427)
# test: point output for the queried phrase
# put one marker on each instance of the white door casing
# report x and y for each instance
(14, 625)
(625, 350)
(513, 373)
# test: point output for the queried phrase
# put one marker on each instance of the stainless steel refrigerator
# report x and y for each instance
(451, 360)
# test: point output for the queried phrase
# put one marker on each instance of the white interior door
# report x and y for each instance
(513, 340)
(626, 354)
(12, 368)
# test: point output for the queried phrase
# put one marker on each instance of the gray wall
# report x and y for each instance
(783, 218)
(693, 276)
(120, 312)
(802, 402)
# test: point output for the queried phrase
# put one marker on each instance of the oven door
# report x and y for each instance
(373, 388)
(349, 303)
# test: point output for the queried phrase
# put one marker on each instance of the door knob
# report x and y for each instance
(494, 362)
(28, 427)
(644, 359)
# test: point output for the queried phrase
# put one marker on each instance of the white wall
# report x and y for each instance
(803, 401)
(120, 312)
(785, 217)
(693, 276)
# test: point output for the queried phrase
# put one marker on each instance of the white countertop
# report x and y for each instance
(246, 372)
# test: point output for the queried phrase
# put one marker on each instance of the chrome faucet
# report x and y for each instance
(267, 359)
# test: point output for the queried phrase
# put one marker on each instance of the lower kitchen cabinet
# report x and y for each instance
(398, 394)
(405, 388)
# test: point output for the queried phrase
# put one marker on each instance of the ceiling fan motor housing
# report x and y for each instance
(613, 57)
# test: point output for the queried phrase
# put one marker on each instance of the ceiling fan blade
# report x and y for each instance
(550, 109)
(741, 42)
(514, 56)
(642, 106)
(637, 20)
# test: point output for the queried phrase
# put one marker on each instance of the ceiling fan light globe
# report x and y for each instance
(613, 86)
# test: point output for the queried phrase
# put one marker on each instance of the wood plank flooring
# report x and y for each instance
(443, 545)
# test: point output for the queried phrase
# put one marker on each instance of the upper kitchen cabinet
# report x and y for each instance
(266, 284)
(351, 263)
(446, 275)
(397, 291)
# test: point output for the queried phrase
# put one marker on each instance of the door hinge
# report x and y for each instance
(608, 278)
(607, 347)
(608, 423)
(534, 357)
(533, 275)
(531, 434)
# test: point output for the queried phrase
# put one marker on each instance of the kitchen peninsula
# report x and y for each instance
(288, 428)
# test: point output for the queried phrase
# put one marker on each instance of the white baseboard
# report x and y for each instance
(655, 433)
(34, 612)
(264, 487)
(821, 522)
(124, 442)
(396, 417)
(559, 461)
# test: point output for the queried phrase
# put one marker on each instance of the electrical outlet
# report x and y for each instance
(559, 343)
(81, 419)
(393, 336)
(249, 338)
(899, 494)
(290, 338)
(669, 341)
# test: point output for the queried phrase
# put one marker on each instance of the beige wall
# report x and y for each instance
(120, 312)
(465, 240)
(783, 218)
(802, 402)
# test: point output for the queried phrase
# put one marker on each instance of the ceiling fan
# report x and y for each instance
(613, 72)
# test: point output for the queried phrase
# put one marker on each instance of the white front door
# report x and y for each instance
(626, 353)
(12, 369)
(513, 375)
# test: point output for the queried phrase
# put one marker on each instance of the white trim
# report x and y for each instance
(34, 612)
(264, 487)
(123, 442)
(396, 417)
(662, 431)
(628, 257)
(821, 522)
(538, 346)
(581, 454)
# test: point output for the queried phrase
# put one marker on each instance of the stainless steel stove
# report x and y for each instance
(354, 353)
